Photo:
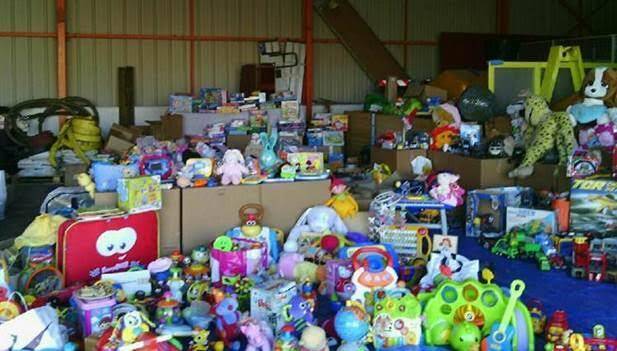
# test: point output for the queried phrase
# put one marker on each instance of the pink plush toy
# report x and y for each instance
(447, 191)
(258, 334)
(606, 134)
(233, 168)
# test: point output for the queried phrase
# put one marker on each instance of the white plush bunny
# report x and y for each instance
(318, 219)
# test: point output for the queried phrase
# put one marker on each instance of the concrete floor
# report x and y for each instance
(24, 203)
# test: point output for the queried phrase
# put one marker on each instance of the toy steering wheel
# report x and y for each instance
(357, 263)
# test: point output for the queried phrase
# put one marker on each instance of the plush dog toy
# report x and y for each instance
(596, 89)
(545, 130)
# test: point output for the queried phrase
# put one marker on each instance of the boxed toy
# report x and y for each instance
(180, 103)
(268, 300)
(340, 122)
(530, 220)
(486, 209)
(290, 111)
(140, 194)
(593, 207)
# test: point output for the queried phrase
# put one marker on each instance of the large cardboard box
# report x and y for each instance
(238, 142)
(358, 137)
(547, 177)
(209, 212)
(476, 173)
(397, 160)
(169, 217)
(284, 202)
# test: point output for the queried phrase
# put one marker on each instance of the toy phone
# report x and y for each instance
(500, 338)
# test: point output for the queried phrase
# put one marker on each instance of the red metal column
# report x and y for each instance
(192, 46)
(405, 29)
(308, 67)
(61, 50)
(503, 16)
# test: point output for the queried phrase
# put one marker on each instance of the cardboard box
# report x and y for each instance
(70, 171)
(284, 203)
(170, 127)
(238, 142)
(547, 177)
(209, 212)
(358, 137)
(126, 133)
(476, 173)
(117, 145)
(90, 343)
(397, 160)
(500, 125)
(424, 91)
(169, 217)
(268, 300)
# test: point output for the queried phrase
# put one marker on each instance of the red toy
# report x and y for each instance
(596, 270)
(557, 324)
(580, 253)
(110, 245)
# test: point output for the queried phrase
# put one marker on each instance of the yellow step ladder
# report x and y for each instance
(562, 57)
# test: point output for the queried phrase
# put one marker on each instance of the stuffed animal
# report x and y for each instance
(443, 137)
(227, 318)
(606, 134)
(268, 159)
(342, 201)
(299, 312)
(318, 219)
(258, 335)
(545, 130)
(447, 190)
(313, 339)
(84, 180)
(447, 115)
(233, 168)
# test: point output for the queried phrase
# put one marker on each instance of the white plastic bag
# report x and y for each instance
(37, 329)
(447, 265)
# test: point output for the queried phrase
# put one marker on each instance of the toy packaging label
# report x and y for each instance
(180, 103)
(593, 207)
(321, 120)
(486, 209)
(340, 122)
(140, 194)
(333, 138)
(308, 163)
(530, 220)
(268, 300)
(290, 111)
(471, 133)
(111, 245)
(212, 98)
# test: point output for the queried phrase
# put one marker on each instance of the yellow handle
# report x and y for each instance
(423, 235)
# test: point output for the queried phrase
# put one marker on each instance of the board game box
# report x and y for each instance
(593, 207)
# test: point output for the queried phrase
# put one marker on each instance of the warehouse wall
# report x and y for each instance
(28, 67)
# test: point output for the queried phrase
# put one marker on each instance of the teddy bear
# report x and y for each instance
(447, 190)
(233, 168)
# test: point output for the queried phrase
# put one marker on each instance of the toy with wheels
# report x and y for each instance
(373, 269)
(482, 305)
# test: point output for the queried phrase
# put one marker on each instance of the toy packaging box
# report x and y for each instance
(140, 194)
(486, 209)
(593, 207)
(268, 300)
(179, 103)
(530, 220)
(340, 123)
(290, 110)
(308, 163)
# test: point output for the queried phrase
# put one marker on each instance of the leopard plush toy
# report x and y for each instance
(545, 130)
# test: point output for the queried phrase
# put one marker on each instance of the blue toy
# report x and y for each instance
(352, 324)
(106, 176)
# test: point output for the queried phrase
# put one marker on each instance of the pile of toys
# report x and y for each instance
(254, 288)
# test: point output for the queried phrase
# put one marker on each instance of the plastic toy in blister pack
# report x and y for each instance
(583, 163)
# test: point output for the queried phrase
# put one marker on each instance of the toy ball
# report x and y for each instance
(465, 337)
(349, 327)
(477, 104)
(329, 243)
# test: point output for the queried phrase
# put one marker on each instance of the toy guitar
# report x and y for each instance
(500, 338)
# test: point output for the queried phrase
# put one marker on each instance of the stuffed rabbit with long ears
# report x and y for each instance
(268, 158)
(318, 219)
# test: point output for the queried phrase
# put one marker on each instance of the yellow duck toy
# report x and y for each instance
(342, 201)
(84, 180)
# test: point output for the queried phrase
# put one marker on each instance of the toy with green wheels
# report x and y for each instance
(462, 314)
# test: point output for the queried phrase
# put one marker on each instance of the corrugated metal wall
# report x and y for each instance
(27, 65)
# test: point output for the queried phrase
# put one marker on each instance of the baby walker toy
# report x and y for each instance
(373, 269)
(251, 216)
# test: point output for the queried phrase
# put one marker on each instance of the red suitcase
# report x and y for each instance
(88, 248)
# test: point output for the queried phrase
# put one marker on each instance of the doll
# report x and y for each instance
(342, 201)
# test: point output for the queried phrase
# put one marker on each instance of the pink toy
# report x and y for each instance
(258, 334)
(447, 191)
(287, 264)
(606, 134)
(248, 257)
(233, 168)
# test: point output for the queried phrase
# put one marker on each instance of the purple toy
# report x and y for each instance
(299, 313)
(227, 318)
(258, 334)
